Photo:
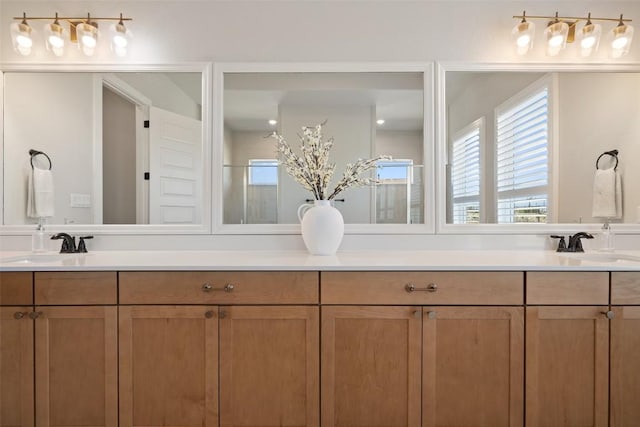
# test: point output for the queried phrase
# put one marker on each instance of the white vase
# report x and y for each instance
(322, 227)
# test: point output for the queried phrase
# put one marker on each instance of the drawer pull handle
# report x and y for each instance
(19, 314)
(35, 314)
(610, 314)
(410, 287)
(208, 287)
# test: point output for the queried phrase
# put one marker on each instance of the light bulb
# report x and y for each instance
(523, 34)
(54, 34)
(622, 37)
(556, 35)
(21, 37)
(88, 36)
(589, 37)
(120, 38)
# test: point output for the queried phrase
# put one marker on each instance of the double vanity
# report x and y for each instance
(415, 338)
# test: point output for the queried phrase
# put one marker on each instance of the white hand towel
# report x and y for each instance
(40, 197)
(607, 194)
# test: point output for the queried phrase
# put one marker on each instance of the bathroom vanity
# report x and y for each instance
(430, 338)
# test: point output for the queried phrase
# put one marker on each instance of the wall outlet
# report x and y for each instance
(78, 200)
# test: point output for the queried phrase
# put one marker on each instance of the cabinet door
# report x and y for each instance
(567, 366)
(473, 371)
(168, 366)
(269, 367)
(76, 366)
(16, 367)
(371, 366)
(625, 367)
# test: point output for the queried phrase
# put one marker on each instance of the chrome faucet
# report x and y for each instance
(574, 245)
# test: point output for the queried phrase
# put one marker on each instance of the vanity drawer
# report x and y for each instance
(201, 287)
(392, 288)
(565, 288)
(16, 288)
(76, 288)
(625, 287)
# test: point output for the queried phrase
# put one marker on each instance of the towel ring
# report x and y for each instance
(612, 153)
(34, 153)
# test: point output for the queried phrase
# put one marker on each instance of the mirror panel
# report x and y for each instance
(107, 166)
(257, 191)
(520, 146)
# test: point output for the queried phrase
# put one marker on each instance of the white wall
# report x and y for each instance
(163, 93)
(598, 113)
(393, 30)
(315, 31)
(65, 134)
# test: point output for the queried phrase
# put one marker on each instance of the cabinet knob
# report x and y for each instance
(432, 315)
(222, 314)
(19, 314)
(410, 287)
(35, 314)
(209, 314)
(417, 314)
(610, 314)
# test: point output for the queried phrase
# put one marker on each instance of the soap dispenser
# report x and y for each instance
(606, 238)
(39, 238)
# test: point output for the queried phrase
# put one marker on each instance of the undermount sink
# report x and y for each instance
(603, 257)
(43, 258)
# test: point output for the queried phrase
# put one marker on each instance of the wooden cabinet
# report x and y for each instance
(168, 366)
(473, 366)
(267, 355)
(76, 366)
(16, 367)
(567, 359)
(625, 366)
(16, 288)
(67, 354)
(371, 366)
(76, 349)
(567, 366)
(269, 366)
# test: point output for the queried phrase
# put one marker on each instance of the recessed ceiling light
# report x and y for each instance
(273, 122)
(380, 121)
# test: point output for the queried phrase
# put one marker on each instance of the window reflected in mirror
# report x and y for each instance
(521, 147)
(366, 114)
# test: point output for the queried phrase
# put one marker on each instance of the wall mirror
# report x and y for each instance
(518, 145)
(127, 147)
(368, 112)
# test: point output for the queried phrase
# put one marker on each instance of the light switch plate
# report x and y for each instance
(78, 200)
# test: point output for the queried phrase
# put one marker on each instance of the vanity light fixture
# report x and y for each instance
(561, 30)
(82, 31)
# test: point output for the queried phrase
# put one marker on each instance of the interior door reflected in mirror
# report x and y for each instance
(366, 113)
(521, 147)
(126, 147)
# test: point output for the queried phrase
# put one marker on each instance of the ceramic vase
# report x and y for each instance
(322, 227)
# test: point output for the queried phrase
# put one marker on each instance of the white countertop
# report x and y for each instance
(489, 260)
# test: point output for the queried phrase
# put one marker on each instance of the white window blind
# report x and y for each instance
(465, 175)
(522, 158)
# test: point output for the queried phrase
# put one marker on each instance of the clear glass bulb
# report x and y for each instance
(523, 35)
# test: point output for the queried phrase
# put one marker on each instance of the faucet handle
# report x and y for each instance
(81, 246)
(562, 245)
